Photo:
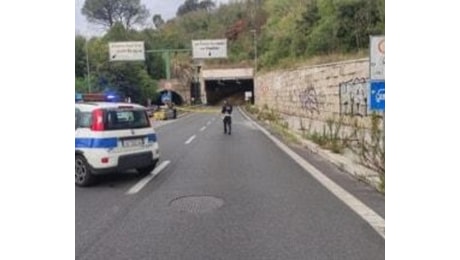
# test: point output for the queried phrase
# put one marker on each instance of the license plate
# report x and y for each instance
(133, 142)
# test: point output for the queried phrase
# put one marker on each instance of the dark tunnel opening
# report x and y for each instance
(176, 98)
(232, 90)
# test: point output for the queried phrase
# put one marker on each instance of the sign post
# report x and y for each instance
(166, 55)
(377, 73)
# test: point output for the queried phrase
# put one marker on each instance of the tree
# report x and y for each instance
(108, 12)
(158, 21)
(194, 5)
(207, 5)
(81, 85)
(80, 56)
(309, 18)
(148, 86)
(132, 12)
(357, 19)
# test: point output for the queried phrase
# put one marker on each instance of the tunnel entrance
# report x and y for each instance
(232, 89)
(175, 98)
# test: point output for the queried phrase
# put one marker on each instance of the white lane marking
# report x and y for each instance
(190, 139)
(202, 129)
(375, 220)
(208, 123)
(136, 188)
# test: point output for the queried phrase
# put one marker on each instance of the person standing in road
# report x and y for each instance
(227, 117)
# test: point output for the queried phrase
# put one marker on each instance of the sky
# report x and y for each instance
(167, 9)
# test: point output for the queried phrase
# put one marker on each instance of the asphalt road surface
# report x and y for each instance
(223, 197)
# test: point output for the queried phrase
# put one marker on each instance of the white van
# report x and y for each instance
(112, 137)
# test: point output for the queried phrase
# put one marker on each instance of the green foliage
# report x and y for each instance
(134, 79)
(110, 12)
(318, 138)
(303, 29)
(370, 147)
(285, 133)
(335, 141)
(266, 114)
(321, 39)
(275, 120)
(330, 137)
(357, 19)
(158, 21)
(194, 5)
(287, 32)
(251, 109)
(80, 56)
(81, 85)
(147, 85)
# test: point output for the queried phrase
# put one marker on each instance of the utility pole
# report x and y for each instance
(167, 57)
(254, 31)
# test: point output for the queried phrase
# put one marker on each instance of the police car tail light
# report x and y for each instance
(98, 120)
(104, 160)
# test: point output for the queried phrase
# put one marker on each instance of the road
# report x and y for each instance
(222, 196)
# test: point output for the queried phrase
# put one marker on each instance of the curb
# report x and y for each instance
(343, 163)
(376, 221)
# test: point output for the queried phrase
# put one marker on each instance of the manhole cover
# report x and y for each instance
(197, 204)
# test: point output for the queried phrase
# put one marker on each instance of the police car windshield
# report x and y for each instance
(126, 119)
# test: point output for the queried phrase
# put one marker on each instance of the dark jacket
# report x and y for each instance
(227, 109)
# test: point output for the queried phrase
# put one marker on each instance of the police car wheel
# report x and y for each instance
(83, 175)
(146, 170)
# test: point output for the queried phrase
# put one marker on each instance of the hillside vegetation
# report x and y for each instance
(287, 33)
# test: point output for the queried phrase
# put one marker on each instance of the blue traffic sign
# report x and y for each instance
(377, 95)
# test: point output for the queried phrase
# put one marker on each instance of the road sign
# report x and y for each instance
(377, 57)
(377, 95)
(209, 49)
(126, 51)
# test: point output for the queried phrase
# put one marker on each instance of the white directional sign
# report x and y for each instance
(209, 49)
(377, 60)
(126, 51)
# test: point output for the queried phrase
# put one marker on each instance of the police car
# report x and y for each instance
(112, 137)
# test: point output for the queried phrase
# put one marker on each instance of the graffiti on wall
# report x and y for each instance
(353, 97)
(309, 100)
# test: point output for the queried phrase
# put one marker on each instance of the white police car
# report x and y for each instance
(112, 137)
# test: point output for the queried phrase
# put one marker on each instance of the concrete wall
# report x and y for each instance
(308, 96)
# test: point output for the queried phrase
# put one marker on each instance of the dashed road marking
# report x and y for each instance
(190, 139)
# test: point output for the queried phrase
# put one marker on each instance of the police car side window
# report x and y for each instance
(84, 120)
